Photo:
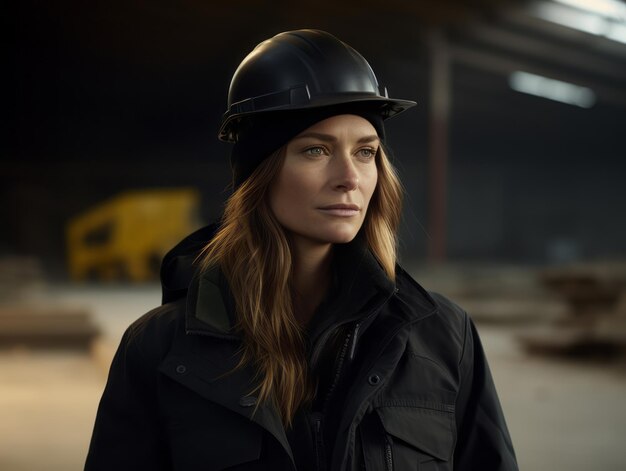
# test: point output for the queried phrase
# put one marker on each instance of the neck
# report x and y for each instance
(311, 277)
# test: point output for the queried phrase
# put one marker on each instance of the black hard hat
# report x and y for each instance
(299, 70)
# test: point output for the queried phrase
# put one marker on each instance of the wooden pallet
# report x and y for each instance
(46, 327)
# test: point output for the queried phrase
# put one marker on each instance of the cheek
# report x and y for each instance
(289, 193)
(368, 185)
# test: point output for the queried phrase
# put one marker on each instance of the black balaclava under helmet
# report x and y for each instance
(262, 134)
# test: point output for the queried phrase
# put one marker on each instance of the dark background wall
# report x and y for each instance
(108, 96)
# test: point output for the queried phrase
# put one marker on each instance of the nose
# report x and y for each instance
(346, 175)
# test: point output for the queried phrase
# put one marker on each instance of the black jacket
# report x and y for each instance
(403, 383)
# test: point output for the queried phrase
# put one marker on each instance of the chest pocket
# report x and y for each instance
(403, 438)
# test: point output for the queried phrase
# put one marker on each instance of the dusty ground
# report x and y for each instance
(562, 415)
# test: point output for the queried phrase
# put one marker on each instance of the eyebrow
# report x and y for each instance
(331, 138)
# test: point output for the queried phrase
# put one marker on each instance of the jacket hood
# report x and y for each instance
(178, 267)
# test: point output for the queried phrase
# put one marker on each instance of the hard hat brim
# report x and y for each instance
(387, 107)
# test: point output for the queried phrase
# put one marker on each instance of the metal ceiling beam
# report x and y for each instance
(522, 18)
(545, 50)
(501, 64)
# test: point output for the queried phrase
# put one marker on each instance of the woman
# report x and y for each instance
(296, 341)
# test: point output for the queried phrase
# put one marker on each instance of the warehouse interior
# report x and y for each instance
(512, 162)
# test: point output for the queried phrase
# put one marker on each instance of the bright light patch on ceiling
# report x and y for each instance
(602, 18)
(617, 33)
(610, 8)
(552, 89)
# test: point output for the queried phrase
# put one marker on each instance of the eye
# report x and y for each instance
(315, 151)
(367, 152)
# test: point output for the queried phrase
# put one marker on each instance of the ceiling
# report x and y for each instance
(91, 78)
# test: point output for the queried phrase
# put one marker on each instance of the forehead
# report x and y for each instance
(341, 125)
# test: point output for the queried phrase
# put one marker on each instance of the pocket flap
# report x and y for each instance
(431, 431)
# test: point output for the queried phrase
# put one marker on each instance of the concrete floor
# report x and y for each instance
(561, 415)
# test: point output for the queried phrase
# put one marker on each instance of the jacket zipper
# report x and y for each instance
(338, 369)
(354, 337)
(323, 339)
(320, 460)
(317, 417)
(349, 343)
(388, 455)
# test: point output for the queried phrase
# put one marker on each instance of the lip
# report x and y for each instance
(341, 210)
(345, 206)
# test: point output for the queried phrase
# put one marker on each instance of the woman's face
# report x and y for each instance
(327, 179)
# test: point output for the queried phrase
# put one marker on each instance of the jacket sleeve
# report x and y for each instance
(483, 440)
(126, 433)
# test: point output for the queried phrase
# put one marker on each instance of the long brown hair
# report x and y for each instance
(252, 249)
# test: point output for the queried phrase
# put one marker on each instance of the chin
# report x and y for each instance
(341, 236)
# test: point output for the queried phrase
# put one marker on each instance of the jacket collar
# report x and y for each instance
(178, 267)
(210, 307)
(358, 281)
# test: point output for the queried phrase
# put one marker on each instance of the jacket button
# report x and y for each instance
(181, 369)
(373, 380)
(247, 401)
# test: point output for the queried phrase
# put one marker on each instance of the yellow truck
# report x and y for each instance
(126, 237)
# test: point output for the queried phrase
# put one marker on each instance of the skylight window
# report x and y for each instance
(599, 17)
(552, 89)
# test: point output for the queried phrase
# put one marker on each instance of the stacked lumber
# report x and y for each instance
(27, 321)
(46, 327)
(594, 324)
(493, 293)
